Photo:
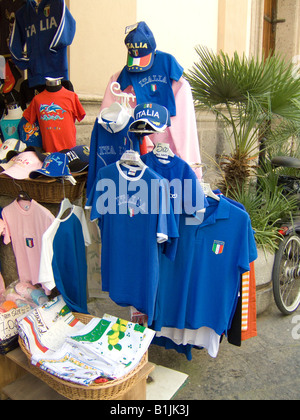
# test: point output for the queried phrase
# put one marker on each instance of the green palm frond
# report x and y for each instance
(238, 83)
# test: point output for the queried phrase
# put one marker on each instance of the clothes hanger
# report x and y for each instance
(163, 150)
(208, 192)
(130, 157)
(125, 98)
(23, 195)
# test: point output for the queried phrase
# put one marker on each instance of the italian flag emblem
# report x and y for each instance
(139, 61)
(130, 212)
(153, 88)
(47, 11)
(218, 247)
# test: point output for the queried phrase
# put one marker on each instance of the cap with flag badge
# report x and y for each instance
(150, 118)
(55, 165)
(141, 47)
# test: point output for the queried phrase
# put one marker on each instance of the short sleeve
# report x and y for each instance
(30, 113)
(248, 249)
(176, 70)
(79, 111)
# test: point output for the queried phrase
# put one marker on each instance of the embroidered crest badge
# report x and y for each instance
(218, 247)
(29, 242)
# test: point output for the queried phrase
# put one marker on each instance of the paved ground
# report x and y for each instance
(264, 368)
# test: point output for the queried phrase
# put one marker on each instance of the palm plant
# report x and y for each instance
(258, 102)
(251, 97)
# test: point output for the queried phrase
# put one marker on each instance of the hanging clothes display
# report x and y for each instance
(46, 29)
(63, 259)
(148, 70)
(109, 140)
(201, 287)
(168, 88)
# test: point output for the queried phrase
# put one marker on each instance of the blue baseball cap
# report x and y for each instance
(150, 118)
(55, 166)
(141, 47)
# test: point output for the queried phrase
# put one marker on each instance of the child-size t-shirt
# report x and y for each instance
(56, 113)
(25, 224)
(155, 84)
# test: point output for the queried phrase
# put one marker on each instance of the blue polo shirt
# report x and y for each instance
(200, 288)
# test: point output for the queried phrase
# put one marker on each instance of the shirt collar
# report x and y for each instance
(221, 212)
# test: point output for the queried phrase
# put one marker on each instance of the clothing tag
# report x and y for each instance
(132, 172)
(162, 155)
(130, 28)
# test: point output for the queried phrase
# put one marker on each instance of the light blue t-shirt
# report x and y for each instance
(155, 84)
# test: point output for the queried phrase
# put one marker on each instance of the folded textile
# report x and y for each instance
(106, 347)
(45, 328)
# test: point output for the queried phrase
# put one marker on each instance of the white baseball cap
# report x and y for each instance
(9, 145)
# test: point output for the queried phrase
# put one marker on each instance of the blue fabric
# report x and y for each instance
(155, 84)
(107, 147)
(186, 193)
(201, 287)
(47, 32)
(69, 264)
(131, 217)
(30, 134)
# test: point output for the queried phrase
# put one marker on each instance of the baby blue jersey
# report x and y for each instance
(200, 288)
(155, 84)
(135, 217)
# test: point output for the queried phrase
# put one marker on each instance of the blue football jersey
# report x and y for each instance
(135, 217)
(46, 30)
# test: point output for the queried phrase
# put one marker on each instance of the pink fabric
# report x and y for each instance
(182, 135)
(24, 228)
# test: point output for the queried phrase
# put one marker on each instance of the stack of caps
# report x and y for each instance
(32, 163)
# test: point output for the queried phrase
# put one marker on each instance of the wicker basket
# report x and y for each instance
(107, 391)
(44, 190)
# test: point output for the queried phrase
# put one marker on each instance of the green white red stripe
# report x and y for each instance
(139, 61)
(218, 247)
